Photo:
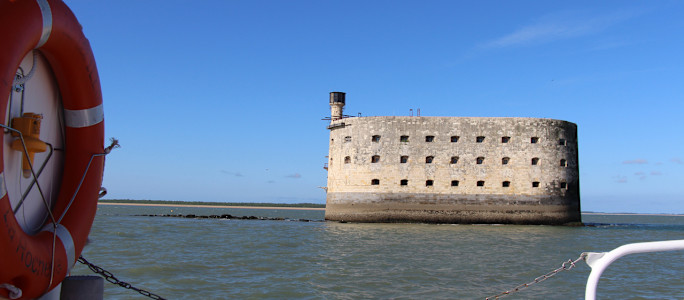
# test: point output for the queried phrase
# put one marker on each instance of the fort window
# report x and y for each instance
(562, 142)
(403, 159)
(505, 139)
(347, 139)
(454, 139)
(375, 182)
(404, 138)
(454, 160)
(375, 138)
(563, 163)
(454, 183)
(429, 138)
(375, 159)
(506, 184)
(479, 139)
(332, 141)
(534, 140)
(428, 160)
(480, 183)
(404, 182)
(429, 183)
(535, 161)
(535, 184)
(347, 159)
(480, 160)
(564, 185)
(504, 161)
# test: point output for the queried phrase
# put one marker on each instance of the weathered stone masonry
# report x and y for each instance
(451, 169)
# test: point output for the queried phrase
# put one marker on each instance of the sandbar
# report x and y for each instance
(213, 206)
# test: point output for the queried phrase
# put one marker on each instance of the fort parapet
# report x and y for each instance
(451, 169)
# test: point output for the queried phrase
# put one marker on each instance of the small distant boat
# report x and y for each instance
(52, 157)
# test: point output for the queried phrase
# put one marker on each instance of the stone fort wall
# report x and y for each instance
(453, 170)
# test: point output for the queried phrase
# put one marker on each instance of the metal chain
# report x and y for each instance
(566, 266)
(112, 279)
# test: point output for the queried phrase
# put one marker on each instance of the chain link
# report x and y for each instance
(565, 267)
(112, 279)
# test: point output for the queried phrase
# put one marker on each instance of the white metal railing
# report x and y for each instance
(599, 261)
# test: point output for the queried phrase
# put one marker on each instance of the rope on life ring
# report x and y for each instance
(35, 264)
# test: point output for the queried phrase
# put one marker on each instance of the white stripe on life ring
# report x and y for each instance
(3, 187)
(83, 117)
(67, 241)
(47, 22)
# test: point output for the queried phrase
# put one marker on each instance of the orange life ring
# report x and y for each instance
(27, 261)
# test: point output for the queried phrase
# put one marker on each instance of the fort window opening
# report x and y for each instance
(480, 183)
(375, 182)
(506, 184)
(564, 185)
(429, 138)
(563, 163)
(347, 159)
(375, 138)
(535, 161)
(454, 183)
(534, 140)
(403, 159)
(428, 160)
(480, 160)
(535, 184)
(454, 139)
(504, 161)
(375, 159)
(404, 182)
(347, 139)
(454, 160)
(332, 141)
(429, 183)
(562, 142)
(479, 139)
(505, 139)
(404, 138)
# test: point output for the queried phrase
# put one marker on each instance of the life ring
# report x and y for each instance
(31, 262)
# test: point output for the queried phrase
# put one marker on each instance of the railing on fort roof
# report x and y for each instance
(343, 117)
(340, 124)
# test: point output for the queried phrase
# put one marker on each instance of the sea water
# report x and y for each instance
(187, 258)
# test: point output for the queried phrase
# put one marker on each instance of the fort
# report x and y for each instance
(451, 169)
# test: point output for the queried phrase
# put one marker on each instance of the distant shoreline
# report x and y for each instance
(210, 206)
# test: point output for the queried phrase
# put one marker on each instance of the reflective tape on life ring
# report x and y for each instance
(47, 22)
(83, 117)
(3, 187)
(67, 242)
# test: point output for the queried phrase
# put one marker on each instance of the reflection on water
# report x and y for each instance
(209, 258)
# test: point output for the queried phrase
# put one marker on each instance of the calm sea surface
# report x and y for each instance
(181, 258)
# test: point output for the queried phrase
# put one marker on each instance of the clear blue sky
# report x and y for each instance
(223, 100)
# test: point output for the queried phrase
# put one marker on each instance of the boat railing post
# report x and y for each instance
(600, 261)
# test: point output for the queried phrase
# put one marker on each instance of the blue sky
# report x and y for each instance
(223, 100)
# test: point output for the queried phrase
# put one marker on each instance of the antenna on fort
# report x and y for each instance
(418, 115)
(411, 110)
